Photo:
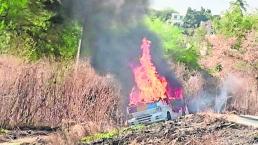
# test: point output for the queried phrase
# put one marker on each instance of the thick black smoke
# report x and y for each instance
(112, 34)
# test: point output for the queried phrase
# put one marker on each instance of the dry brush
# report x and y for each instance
(51, 94)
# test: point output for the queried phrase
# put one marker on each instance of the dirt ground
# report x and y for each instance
(198, 129)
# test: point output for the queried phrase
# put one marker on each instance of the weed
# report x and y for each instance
(3, 131)
(112, 134)
(256, 137)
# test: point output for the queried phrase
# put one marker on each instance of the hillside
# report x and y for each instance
(72, 72)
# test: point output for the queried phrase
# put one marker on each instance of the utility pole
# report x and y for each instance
(79, 50)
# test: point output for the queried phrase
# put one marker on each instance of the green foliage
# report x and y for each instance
(199, 35)
(4, 40)
(230, 24)
(256, 136)
(193, 18)
(60, 41)
(241, 3)
(111, 134)
(235, 23)
(3, 131)
(163, 15)
(70, 36)
(106, 135)
(172, 39)
(38, 28)
(170, 35)
(198, 41)
(3, 7)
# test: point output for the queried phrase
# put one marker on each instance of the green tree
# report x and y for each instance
(235, 22)
(241, 3)
(37, 29)
(163, 15)
(172, 39)
(193, 18)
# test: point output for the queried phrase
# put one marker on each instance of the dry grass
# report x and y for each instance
(192, 81)
(44, 94)
(241, 64)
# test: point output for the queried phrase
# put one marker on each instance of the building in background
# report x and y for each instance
(176, 19)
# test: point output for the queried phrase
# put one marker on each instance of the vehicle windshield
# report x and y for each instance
(143, 107)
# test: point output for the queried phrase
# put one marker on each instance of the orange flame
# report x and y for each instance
(149, 85)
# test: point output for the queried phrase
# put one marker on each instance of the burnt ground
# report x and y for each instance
(200, 129)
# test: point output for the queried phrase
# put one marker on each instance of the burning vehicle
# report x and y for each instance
(154, 112)
(153, 98)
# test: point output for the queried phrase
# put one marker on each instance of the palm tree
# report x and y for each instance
(242, 4)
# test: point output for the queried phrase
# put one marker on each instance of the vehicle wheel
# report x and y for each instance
(168, 116)
(183, 111)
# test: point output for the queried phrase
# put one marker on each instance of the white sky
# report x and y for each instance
(216, 6)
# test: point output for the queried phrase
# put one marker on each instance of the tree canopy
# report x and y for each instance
(193, 17)
(37, 28)
(163, 15)
(235, 22)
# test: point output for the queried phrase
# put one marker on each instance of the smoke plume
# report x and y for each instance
(112, 34)
(217, 101)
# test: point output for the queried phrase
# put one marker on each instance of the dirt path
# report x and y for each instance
(244, 119)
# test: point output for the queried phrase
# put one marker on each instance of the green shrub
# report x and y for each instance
(235, 23)
(111, 134)
(3, 131)
(99, 136)
(172, 39)
(36, 29)
(193, 18)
